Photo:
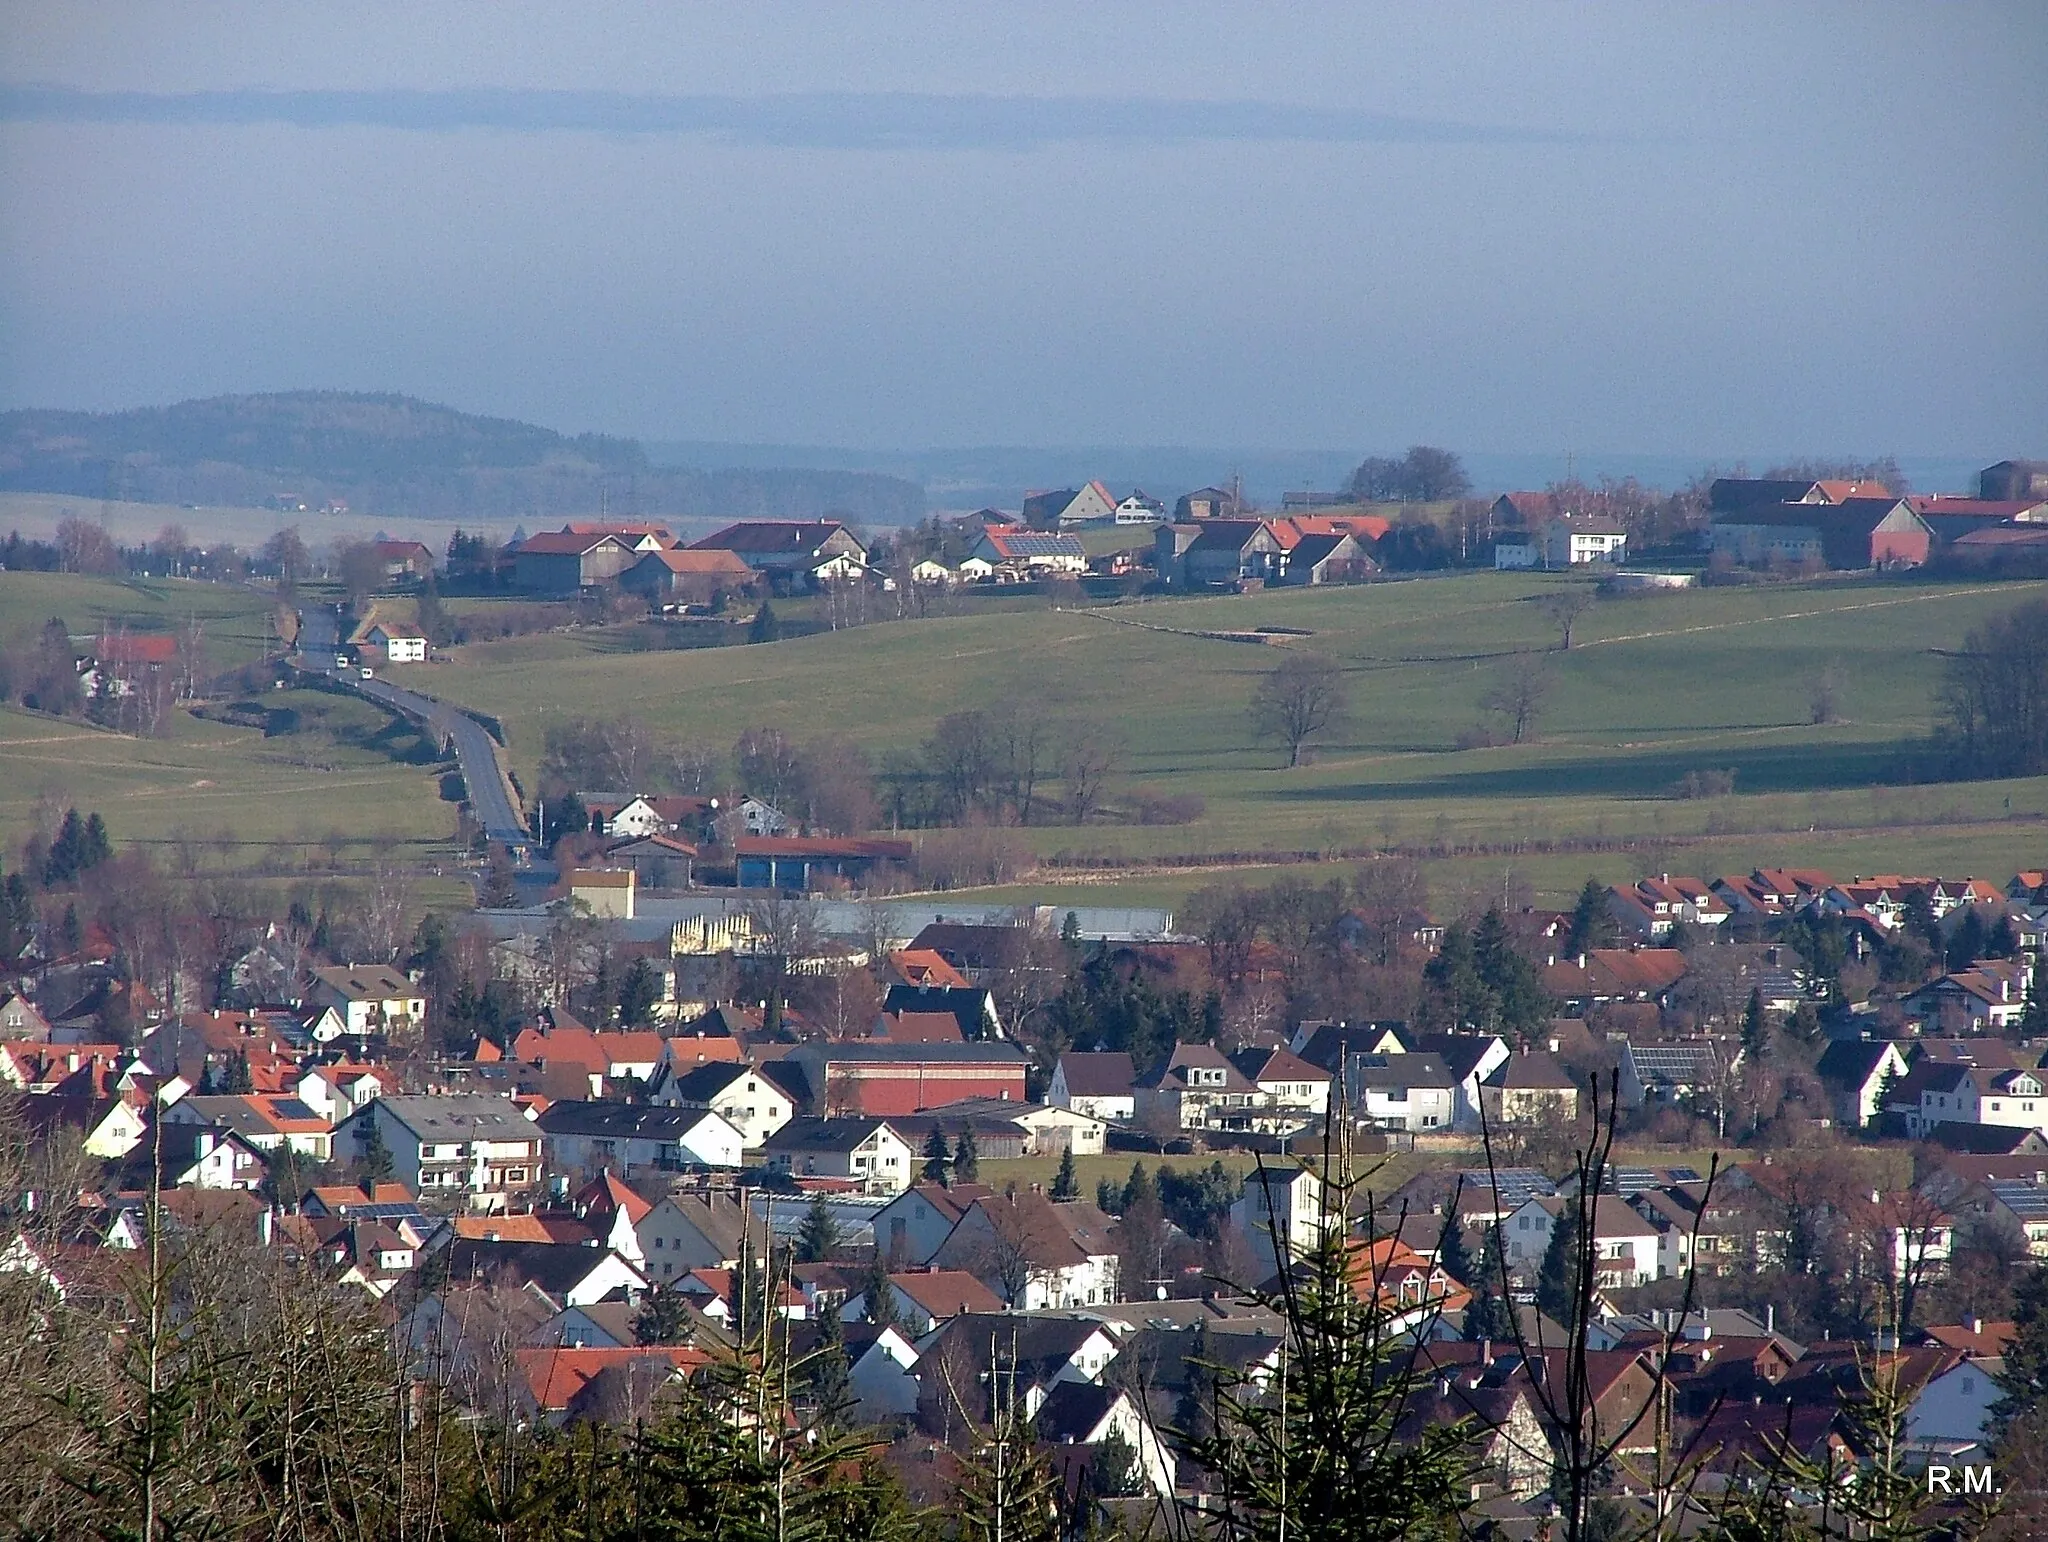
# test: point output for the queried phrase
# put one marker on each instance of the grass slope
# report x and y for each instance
(234, 622)
(1653, 688)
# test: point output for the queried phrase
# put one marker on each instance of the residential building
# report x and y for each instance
(637, 1138)
(1283, 1214)
(1021, 553)
(1625, 1243)
(1528, 1087)
(792, 553)
(564, 1274)
(1021, 1246)
(738, 1093)
(1069, 506)
(1197, 1089)
(466, 1146)
(916, 1223)
(1101, 1085)
(369, 998)
(1673, 1071)
(688, 576)
(1416, 1093)
(1079, 1417)
(863, 1150)
(682, 1232)
(926, 1298)
(1287, 1083)
(1855, 1071)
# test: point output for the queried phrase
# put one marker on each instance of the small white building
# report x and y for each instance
(369, 997)
(865, 1150)
(1102, 1086)
(1625, 1244)
(634, 1138)
(736, 1091)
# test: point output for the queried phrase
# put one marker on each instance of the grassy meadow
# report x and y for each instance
(1653, 688)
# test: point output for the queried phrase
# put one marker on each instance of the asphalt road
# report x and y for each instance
(477, 753)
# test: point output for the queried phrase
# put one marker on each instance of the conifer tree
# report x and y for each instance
(1066, 1183)
(966, 1159)
(938, 1159)
(1489, 1316)
(1557, 1276)
(877, 1294)
(818, 1234)
(1756, 1029)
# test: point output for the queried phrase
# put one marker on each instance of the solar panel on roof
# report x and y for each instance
(2022, 1199)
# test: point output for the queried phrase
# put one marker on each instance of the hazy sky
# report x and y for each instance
(1718, 229)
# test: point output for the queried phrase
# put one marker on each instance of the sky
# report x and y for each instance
(1726, 230)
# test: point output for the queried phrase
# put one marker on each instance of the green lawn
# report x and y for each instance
(240, 799)
(1653, 688)
(234, 624)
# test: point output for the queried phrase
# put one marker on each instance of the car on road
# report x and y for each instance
(369, 673)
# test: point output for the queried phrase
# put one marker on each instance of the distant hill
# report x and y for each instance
(393, 455)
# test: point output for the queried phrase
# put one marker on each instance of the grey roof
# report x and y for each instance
(1672, 1062)
(1849, 1062)
(554, 1266)
(1103, 1075)
(1401, 1071)
(1073, 1410)
(811, 1133)
(986, 1052)
(971, 1006)
(621, 1121)
(458, 1117)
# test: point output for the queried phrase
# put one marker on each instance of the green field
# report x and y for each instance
(234, 624)
(1715, 679)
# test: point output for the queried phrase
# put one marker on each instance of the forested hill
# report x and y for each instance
(393, 455)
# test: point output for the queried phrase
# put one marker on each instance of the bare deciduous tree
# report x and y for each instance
(1302, 698)
(1564, 607)
(1518, 696)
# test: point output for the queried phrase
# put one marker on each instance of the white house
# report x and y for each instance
(402, 643)
(863, 1149)
(1281, 1212)
(1626, 1244)
(881, 1378)
(369, 997)
(1951, 1414)
(1079, 1413)
(737, 1092)
(1021, 1247)
(1103, 1086)
(468, 1146)
(2013, 1099)
(683, 1232)
(635, 1138)
(916, 1223)
(336, 1091)
(1575, 540)
(1415, 1092)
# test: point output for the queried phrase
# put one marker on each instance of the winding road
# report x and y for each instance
(483, 772)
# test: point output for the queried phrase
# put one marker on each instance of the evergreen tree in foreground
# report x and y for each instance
(938, 1159)
(1066, 1183)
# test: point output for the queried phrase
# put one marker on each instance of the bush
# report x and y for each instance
(1704, 783)
(1149, 806)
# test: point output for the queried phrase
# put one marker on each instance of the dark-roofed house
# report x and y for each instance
(1079, 1416)
(567, 1273)
(634, 1138)
(862, 1150)
(1526, 1087)
(972, 1007)
(1197, 1089)
(1030, 1253)
(368, 997)
(1039, 1353)
(736, 1091)
(2014, 479)
(1854, 1072)
(564, 561)
(1101, 1085)
(1331, 558)
(793, 553)
(1674, 1070)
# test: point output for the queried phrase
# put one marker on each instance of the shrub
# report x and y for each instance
(1704, 783)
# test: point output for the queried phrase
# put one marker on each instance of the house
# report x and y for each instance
(563, 1385)
(336, 1090)
(913, 1226)
(1101, 1085)
(792, 553)
(401, 641)
(1283, 1214)
(565, 561)
(1287, 1083)
(267, 1121)
(1854, 1071)
(874, 1078)
(1218, 553)
(1336, 557)
(1625, 1243)
(19, 1018)
(926, 1298)
(1005, 1127)
(1417, 1093)
(1601, 976)
(1077, 1417)
(1561, 541)
(2002, 1097)
(972, 1007)
(683, 1232)
(974, 1354)
(1528, 1087)
(688, 576)
(194, 1156)
(1852, 533)
(863, 1150)
(2021, 1207)
(1069, 506)
(1950, 1415)
(369, 998)
(598, 1057)
(467, 1146)
(1205, 503)
(565, 1274)
(1022, 1247)
(1513, 513)
(1137, 509)
(606, 893)
(637, 1138)
(1728, 495)
(1028, 553)
(404, 559)
(1989, 997)
(738, 1093)
(798, 863)
(1653, 908)
(1469, 1057)
(654, 861)
(1197, 1089)
(1672, 1071)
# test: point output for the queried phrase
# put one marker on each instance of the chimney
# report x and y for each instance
(1974, 1324)
(1486, 1351)
(1770, 1317)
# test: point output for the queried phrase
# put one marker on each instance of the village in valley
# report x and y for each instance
(716, 1063)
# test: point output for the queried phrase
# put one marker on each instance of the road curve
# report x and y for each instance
(483, 772)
